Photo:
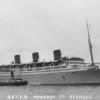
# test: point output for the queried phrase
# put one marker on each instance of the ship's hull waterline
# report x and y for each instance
(58, 77)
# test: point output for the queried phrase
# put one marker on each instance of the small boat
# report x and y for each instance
(14, 82)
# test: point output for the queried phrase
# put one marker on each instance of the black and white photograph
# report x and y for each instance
(49, 49)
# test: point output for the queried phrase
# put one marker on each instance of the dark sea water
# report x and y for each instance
(55, 92)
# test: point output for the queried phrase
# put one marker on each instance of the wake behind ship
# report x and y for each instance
(62, 70)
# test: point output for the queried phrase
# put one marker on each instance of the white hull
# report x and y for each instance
(58, 77)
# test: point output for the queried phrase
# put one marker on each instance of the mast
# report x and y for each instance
(90, 45)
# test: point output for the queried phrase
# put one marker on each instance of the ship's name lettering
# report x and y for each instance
(49, 97)
(13, 97)
(80, 97)
(25, 97)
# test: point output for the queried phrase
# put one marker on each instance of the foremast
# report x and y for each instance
(90, 45)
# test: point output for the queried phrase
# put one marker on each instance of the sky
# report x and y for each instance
(28, 26)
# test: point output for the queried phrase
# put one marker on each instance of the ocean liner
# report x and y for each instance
(62, 70)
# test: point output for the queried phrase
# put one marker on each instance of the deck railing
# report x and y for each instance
(46, 68)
